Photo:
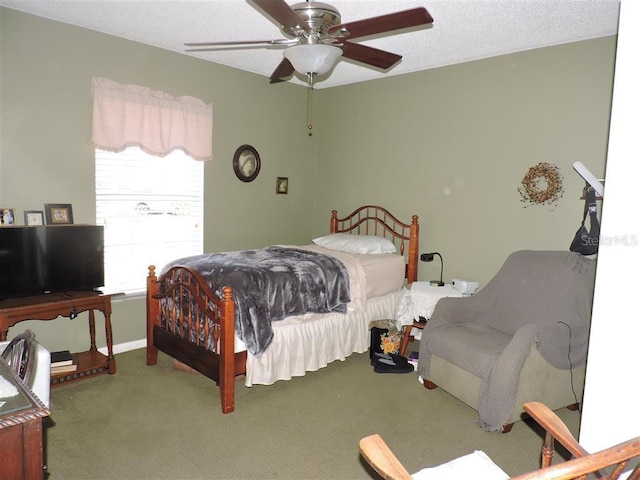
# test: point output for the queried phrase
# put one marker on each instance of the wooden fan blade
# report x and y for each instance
(282, 13)
(370, 55)
(383, 23)
(282, 71)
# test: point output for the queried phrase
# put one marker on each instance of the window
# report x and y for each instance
(152, 211)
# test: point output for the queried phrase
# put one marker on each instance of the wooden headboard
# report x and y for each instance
(373, 220)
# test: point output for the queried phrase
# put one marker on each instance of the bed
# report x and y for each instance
(202, 319)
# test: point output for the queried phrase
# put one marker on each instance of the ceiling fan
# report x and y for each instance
(316, 38)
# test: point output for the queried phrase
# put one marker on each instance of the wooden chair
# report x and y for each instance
(20, 355)
(384, 462)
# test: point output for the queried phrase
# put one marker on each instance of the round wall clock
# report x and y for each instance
(246, 163)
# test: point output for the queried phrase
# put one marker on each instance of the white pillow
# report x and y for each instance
(346, 242)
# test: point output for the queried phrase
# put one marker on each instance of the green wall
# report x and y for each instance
(46, 157)
(450, 144)
(453, 144)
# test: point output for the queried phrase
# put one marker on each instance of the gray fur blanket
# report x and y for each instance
(538, 298)
(273, 283)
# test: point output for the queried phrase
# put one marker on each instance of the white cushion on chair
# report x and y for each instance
(41, 377)
(474, 465)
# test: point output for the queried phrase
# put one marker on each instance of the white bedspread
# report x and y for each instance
(306, 343)
(309, 342)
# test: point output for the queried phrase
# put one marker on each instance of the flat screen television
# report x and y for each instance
(50, 258)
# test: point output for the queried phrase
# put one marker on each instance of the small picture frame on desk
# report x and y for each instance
(33, 217)
(7, 216)
(58, 213)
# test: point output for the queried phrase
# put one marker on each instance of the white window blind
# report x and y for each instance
(152, 211)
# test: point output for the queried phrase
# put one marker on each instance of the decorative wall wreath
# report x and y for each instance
(542, 185)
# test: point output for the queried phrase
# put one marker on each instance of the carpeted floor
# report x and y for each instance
(162, 423)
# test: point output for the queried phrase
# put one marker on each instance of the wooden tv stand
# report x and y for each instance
(66, 304)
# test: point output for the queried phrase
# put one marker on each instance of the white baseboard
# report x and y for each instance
(125, 347)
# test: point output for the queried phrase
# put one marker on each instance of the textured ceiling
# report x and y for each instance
(462, 30)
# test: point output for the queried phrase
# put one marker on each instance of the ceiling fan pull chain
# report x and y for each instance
(310, 105)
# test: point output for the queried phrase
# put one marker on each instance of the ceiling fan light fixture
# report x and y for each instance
(314, 58)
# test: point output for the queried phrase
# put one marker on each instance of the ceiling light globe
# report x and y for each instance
(312, 58)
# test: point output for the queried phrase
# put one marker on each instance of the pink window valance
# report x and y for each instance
(130, 115)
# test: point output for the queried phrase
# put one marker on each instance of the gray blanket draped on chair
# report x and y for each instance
(540, 298)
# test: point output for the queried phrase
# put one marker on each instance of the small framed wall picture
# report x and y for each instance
(246, 163)
(58, 213)
(282, 185)
(33, 217)
(7, 216)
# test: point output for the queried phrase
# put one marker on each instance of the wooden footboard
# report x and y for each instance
(187, 321)
(373, 220)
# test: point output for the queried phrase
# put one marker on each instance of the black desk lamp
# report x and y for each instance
(428, 257)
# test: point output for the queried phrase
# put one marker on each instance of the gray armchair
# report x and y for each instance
(522, 338)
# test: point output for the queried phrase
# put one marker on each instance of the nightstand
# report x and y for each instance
(418, 302)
